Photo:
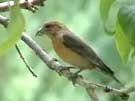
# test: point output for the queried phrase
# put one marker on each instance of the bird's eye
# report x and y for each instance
(48, 26)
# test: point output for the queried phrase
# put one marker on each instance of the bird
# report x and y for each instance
(72, 49)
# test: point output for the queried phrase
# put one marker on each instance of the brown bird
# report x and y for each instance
(72, 49)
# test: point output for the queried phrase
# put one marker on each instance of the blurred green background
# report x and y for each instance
(83, 18)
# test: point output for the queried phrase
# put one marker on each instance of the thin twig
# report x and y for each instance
(24, 60)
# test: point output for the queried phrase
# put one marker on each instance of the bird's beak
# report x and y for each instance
(40, 32)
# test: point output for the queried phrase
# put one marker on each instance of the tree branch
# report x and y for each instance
(24, 60)
(26, 4)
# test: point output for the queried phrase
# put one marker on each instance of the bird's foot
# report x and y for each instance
(74, 76)
(62, 69)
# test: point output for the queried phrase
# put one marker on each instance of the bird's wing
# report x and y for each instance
(80, 47)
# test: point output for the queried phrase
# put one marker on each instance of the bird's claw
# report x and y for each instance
(73, 77)
(61, 69)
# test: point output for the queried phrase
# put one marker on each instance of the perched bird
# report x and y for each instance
(72, 49)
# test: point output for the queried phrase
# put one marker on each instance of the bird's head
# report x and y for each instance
(51, 29)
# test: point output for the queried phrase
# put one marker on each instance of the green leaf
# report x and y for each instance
(109, 10)
(110, 23)
(122, 44)
(15, 28)
(126, 17)
(105, 7)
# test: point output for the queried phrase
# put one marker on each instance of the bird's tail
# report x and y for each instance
(108, 71)
(116, 79)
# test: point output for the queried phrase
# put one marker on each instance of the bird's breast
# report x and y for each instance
(70, 56)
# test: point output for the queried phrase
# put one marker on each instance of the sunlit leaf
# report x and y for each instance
(122, 44)
(110, 23)
(14, 30)
(105, 7)
(109, 10)
(126, 18)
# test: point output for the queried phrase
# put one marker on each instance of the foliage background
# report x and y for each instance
(82, 17)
